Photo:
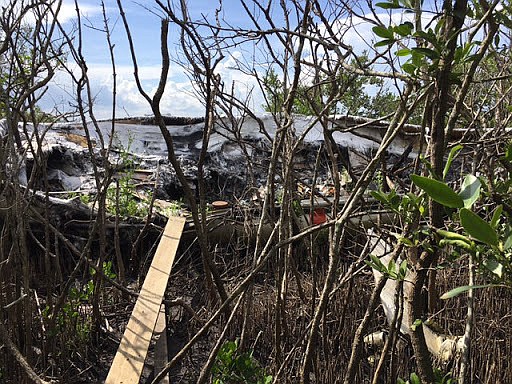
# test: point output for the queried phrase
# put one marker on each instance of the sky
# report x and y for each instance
(179, 99)
(145, 28)
(144, 21)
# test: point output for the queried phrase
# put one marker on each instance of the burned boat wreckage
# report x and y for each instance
(236, 160)
(62, 164)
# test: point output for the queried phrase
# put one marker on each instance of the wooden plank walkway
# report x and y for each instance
(161, 354)
(129, 360)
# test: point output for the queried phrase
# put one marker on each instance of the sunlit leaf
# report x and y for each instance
(478, 227)
(452, 235)
(414, 379)
(393, 5)
(470, 190)
(451, 156)
(455, 239)
(438, 191)
(416, 324)
(456, 243)
(494, 267)
(496, 216)
(457, 291)
(403, 269)
(405, 241)
(392, 267)
(403, 52)
(376, 264)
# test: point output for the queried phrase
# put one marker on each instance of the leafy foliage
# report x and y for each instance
(18, 75)
(351, 92)
(440, 378)
(73, 323)
(438, 191)
(121, 195)
(235, 367)
(489, 241)
(393, 270)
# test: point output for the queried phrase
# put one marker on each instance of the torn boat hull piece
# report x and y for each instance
(442, 347)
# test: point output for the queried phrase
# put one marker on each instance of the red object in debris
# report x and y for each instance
(319, 216)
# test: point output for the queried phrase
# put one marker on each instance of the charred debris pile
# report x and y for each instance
(236, 163)
(64, 164)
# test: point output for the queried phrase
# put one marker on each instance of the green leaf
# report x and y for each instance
(405, 241)
(403, 52)
(455, 239)
(404, 29)
(414, 379)
(456, 243)
(417, 59)
(376, 264)
(457, 291)
(496, 216)
(393, 5)
(383, 43)
(402, 270)
(438, 191)
(452, 235)
(409, 68)
(380, 196)
(494, 267)
(470, 190)
(416, 324)
(453, 153)
(392, 265)
(508, 242)
(430, 53)
(383, 32)
(392, 270)
(478, 228)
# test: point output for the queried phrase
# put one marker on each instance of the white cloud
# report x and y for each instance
(67, 10)
(177, 100)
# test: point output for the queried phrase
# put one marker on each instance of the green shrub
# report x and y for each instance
(235, 367)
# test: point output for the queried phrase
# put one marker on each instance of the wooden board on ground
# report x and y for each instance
(161, 351)
(129, 360)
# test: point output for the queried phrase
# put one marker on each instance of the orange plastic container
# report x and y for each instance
(219, 204)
